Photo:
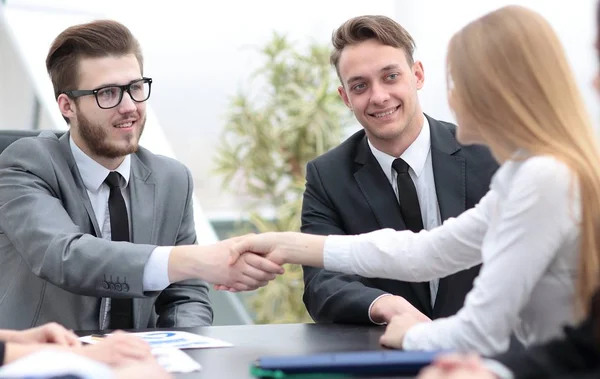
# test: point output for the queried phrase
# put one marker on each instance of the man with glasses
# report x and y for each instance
(95, 231)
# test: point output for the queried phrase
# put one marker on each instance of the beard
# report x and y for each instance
(96, 138)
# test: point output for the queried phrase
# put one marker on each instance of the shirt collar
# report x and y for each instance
(415, 155)
(93, 173)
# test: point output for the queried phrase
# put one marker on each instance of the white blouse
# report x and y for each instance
(525, 231)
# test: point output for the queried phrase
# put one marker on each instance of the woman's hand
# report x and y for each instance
(397, 328)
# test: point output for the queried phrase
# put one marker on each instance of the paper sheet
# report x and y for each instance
(47, 363)
(174, 360)
(180, 340)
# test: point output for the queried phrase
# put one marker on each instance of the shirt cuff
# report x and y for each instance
(411, 337)
(156, 270)
(498, 369)
(371, 306)
(336, 253)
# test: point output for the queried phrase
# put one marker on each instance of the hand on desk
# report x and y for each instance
(117, 349)
(457, 366)
(47, 333)
(128, 355)
(388, 306)
(397, 328)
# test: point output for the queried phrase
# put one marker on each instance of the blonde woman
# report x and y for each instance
(577, 355)
(511, 89)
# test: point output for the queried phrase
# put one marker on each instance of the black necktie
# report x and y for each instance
(409, 206)
(407, 196)
(121, 310)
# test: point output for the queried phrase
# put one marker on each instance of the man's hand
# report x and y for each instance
(47, 333)
(212, 264)
(386, 307)
(457, 366)
(397, 328)
(265, 244)
(117, 349)
(251, 262)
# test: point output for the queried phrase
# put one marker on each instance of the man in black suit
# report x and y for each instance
(404, 170)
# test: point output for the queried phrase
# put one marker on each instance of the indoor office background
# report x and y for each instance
(201, 54)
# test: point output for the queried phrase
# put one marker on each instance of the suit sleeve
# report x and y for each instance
(186, 303)
(39, 230)
(577, 352)
(331, 296)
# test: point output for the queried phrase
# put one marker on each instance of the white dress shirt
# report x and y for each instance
(525, 231)
(418, 158)
(93, 174)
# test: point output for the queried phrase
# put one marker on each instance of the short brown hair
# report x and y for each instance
(95, 39)
(362, 28)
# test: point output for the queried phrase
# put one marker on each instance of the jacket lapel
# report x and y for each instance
(143, 209)
(376, 189)
(449, 172)
(380, 196)
(142, 199)
(68, 154)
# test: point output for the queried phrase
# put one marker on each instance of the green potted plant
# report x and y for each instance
(290, 117)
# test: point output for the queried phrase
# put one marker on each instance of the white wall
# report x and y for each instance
(433, 22)
(200, 54)
(16, 96)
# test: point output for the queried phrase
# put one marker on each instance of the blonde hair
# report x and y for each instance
(511, 77)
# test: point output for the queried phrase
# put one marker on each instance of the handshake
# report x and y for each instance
(247, 262)
(253, 261)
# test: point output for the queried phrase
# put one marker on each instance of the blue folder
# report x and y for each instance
(344, 364)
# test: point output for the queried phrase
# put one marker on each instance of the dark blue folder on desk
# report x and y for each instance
(347, 363)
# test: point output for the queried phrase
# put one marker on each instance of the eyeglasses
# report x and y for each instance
(111, 96)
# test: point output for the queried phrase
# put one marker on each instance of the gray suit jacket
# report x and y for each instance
(54, 266)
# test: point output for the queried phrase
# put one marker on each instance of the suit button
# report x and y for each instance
(118, 287)
(125, 287)
(105, 285)
(112, 286)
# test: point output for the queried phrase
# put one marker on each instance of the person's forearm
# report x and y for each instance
(332, 297)
(300, 248)
(185, 263)
(9, 335)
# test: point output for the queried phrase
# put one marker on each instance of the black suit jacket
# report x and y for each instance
(576, 355)
(347, 192)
